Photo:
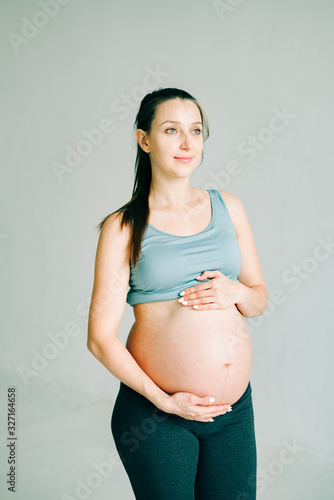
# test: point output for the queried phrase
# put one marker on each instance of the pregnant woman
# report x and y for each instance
(185, 260)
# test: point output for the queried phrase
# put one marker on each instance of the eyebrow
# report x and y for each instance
(171, 121)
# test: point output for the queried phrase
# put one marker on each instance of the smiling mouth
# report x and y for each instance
(185, 158)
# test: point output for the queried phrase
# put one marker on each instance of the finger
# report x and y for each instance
(206, 295)
(207, 300)
(199, 287)
(202, 292)
(203, 400)
(203, 307)
(213, 408)
(208, 418)
(204, 407)
(212, 412)
(215, 413)
(207, 401)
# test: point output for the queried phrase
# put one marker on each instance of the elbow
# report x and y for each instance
(93, 345)
(96, 348)
(97, 344)
(264, 301)
(92, 335)
(90, 345)
(259, 308)
(262, 305)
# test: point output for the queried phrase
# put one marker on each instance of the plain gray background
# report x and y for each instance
(72, 66)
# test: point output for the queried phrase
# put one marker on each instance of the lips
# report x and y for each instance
(183, 158)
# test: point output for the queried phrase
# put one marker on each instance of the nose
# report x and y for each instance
(186, 141)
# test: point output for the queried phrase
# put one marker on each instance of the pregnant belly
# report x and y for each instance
(207, 353)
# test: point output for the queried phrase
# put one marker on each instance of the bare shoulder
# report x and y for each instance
(236, 209)
(114, 242)
(112, 227)
(230, 199)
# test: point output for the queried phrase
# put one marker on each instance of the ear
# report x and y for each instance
(142, 140)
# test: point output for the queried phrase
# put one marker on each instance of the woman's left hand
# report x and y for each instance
(219, 293)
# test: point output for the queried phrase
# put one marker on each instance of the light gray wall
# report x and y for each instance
(246, 63)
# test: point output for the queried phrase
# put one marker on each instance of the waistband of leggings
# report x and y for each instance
(245, 395)
(125, 388)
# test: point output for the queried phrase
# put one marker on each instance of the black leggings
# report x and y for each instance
(168, 457)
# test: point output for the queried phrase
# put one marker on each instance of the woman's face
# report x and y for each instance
(176, 133)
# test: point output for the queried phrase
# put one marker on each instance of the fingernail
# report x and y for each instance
(211, 400)
(184, 302)
(181, 299)
(198, 277)
(182, 293)
(230, 409)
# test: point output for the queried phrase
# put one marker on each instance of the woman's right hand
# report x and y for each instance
(192, 407)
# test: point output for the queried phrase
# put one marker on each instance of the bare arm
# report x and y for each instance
(108, 301)
(253, 299)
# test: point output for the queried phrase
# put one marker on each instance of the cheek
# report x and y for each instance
(200, 142)
(159, 150)
(166, 144)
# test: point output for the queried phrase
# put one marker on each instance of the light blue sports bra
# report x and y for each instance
(169, 263)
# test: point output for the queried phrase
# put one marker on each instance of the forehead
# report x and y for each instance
(182, 110)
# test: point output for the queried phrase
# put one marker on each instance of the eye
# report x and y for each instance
(198, 130)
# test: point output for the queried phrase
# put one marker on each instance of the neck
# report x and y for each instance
(171, 195)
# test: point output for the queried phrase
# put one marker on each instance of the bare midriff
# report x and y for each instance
(207, 353)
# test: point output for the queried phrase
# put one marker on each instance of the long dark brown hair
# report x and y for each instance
(135, 213)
